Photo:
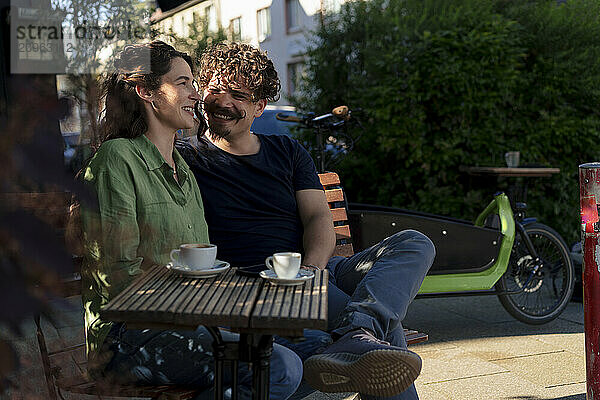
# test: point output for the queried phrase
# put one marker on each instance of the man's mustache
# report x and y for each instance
(228, 112)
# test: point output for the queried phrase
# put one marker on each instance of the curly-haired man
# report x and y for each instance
(262, 195)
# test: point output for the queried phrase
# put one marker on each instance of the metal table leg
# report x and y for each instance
(234, 380)
(262, 348)
(219, 354)
(253, 348)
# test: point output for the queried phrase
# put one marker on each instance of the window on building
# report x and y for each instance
(295, 72)
(211, 16)
(183, 27)
(235, 29)
(263, 21)
(292, 12)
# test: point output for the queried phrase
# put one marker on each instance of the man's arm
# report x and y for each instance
(319, 236)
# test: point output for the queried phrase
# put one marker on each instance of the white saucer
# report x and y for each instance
(217, 268)
(303, 276)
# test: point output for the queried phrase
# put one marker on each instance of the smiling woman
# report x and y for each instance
(145, 75)
(148, 203)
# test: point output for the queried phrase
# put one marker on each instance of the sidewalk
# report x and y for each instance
(476, 351)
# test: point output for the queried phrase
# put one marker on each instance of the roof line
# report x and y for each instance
(177, 9)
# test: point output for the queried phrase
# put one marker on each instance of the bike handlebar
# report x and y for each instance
(328, 129)
(288, 118)
(340, 112)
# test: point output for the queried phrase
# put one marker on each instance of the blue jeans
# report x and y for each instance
(373, 289)
(185, 358)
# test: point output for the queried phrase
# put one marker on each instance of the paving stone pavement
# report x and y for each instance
(475, 351)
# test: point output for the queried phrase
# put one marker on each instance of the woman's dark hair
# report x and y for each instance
(138, 64)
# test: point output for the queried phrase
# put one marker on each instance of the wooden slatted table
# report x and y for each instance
(533, 172)
(161, 299)
(517, 192)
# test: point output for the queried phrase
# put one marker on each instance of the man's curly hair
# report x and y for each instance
(242, 63)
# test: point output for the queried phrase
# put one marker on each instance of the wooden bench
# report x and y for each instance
(338, 206)
(65, 367)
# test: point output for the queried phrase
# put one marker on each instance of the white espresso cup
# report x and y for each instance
(285, 265)
(195, 255)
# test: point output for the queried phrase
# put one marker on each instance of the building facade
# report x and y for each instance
(280, 27)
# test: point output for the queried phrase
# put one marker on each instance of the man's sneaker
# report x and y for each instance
(359, 362)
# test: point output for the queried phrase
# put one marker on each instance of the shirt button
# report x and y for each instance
(189, 226)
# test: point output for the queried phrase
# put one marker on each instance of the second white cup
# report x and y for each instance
(285, 265)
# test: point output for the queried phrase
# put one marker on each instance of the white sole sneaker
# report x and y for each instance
(382, 372)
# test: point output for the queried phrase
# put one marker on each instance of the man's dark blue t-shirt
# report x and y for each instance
(250, 201)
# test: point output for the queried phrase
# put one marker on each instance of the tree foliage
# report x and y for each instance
(93, 54)
(451, 83)
(198, 38)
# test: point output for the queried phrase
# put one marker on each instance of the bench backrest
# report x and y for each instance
(53, 208)
(338, 205)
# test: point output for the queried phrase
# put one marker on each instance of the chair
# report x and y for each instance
(65, 367)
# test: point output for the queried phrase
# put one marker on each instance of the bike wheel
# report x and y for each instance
(541, 296)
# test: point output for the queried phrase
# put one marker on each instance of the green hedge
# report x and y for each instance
(448, 83)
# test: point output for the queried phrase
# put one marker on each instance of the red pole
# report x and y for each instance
(589, 196)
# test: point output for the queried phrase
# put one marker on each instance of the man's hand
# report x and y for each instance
(319, 236)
